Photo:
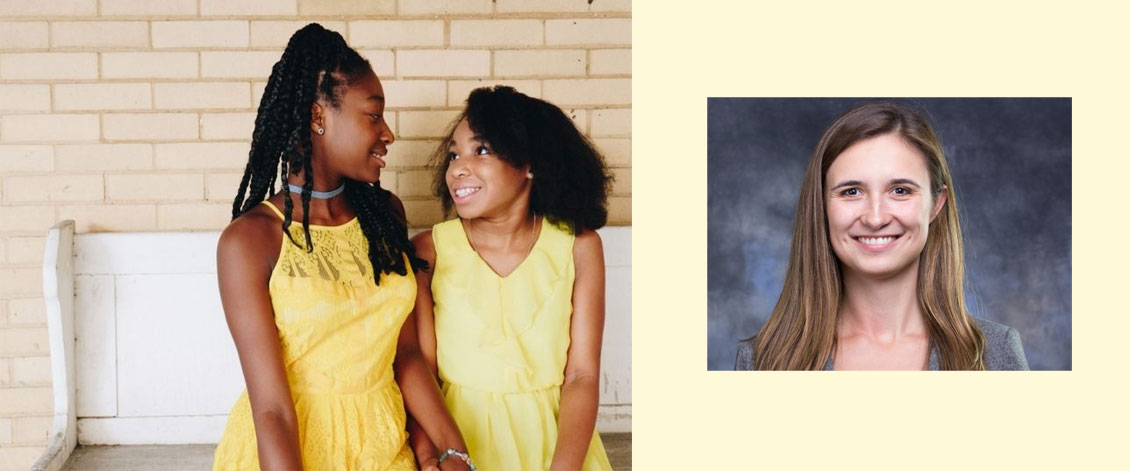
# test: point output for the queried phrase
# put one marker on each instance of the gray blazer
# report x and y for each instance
(1003, 351)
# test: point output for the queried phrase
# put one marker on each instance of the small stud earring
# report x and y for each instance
(321, 131)
(530, 175)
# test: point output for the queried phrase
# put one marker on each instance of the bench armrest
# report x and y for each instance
(59, 294)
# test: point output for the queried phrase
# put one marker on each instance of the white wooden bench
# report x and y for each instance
(141, 353)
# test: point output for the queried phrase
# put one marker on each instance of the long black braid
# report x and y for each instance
(317, 63)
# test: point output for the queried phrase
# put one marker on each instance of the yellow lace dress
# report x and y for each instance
(501, 348)
(339, 332)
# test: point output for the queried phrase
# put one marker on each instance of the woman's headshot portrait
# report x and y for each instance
(889, 234)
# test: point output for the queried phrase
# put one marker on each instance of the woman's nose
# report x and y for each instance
(877, 214)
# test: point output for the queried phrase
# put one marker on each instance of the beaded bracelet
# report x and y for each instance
(458, 454)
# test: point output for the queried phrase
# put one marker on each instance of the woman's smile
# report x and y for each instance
(877, 243)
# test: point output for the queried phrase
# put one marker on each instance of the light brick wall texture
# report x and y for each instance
(135, 115)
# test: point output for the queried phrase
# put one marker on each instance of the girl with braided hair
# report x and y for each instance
(512, 311)
(321, 312)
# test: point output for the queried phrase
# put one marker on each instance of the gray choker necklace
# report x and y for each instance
(321, 195)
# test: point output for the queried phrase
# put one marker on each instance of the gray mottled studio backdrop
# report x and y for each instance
(1011, 164)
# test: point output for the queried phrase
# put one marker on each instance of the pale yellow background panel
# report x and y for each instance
(688, 418)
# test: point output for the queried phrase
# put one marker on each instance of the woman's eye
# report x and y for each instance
(850, 192)
(482, 150)
(375, 116)
(452, 156)
(900, 191)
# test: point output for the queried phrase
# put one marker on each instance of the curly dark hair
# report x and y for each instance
(316, 64)
(571, 182)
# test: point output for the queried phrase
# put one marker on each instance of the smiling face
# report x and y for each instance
(356, 135)
(879, 206)
(480, 182)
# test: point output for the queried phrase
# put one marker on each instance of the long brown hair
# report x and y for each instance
(801, 332)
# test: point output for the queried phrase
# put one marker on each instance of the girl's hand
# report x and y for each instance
(429, 464)
(454, 464)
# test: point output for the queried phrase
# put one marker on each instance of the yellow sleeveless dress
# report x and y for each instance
(501, 348)
(339, 332)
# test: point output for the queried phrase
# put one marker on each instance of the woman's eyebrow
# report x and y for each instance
(847, 183)
(905, 181)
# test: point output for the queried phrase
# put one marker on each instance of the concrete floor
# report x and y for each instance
(198, 457)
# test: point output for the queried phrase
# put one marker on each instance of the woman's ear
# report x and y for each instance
(939, 202)
(317, 119)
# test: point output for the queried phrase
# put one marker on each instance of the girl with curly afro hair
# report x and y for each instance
(512, 310)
